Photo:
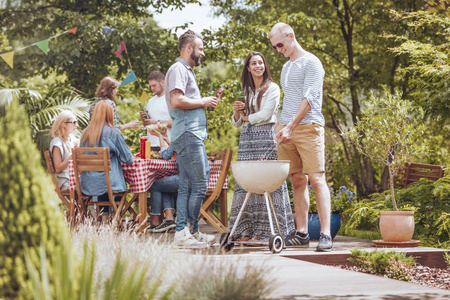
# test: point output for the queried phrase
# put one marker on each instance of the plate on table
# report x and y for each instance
(160, 128)
(155, 155)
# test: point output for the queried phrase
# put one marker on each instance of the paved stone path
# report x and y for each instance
(295, 278)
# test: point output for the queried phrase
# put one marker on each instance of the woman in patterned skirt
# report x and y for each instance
(257, 140)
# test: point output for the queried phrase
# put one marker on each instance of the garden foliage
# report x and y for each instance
(389, 131)
(342, 199)
(29, 211)
(430, 200)
(393, 264)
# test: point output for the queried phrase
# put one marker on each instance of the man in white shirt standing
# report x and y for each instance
(157, 108)
(300, 134)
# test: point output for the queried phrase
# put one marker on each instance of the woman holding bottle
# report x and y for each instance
(257, 117)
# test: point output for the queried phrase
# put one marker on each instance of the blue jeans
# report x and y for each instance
(194, 178)
(163, 193)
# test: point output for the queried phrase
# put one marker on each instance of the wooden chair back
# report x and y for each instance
(415, 171)
(96, 159)
(64, 196)
(218, 192)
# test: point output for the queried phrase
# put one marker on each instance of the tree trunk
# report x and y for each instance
(391, 183)
(384, 184)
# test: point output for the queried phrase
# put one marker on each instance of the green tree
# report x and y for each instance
(89, 55)
(429, 64)
(29, 210)
(388, 132)
(345, 35)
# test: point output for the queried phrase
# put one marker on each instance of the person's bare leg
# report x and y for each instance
(169, 214)
(323, 200)
(155, 220)
(301, 201)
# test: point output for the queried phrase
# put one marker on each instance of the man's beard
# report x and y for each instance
(196, 59)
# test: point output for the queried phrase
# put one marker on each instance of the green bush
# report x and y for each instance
(342, 199)
(29, 213)
(428, 199)
(393, 264)
(431, 201)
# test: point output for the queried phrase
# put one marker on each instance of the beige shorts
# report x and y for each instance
(306, 150)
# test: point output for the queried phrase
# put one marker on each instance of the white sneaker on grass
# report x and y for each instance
(185, 239)
(205, 238)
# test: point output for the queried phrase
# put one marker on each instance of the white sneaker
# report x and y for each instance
(185, 239)
(205, 238)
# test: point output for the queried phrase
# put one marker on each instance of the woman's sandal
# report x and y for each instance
(254, 242)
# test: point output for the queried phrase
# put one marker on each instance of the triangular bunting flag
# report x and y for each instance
(129, 79)
(144, 97)
(8, 58)
(107, 30)
(119, 54)
(43, 45)
(72, 30)
(122, 46)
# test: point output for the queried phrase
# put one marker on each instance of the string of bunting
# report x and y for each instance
(8, 57)
(131, 77)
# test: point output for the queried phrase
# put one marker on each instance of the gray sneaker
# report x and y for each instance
(325, 243)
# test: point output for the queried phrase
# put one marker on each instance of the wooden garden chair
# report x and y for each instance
(98, 159)
(218, 192)
(63, 195)
(415, 171)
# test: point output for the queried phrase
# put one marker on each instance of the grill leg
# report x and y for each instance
(266, 196)
(275, 215)
(239, 215)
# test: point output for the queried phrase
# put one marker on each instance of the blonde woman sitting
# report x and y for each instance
(62, 144)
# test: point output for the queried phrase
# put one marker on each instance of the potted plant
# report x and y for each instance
(341, 200)
(390, 131)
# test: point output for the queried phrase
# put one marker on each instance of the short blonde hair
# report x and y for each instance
(58, 129)
(281, 28)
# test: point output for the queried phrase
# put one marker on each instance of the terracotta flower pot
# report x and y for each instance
(396, 226)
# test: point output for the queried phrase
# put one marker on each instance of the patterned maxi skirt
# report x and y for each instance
(256, 141)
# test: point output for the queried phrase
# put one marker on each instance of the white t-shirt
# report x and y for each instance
(66, 151)
(157, 109)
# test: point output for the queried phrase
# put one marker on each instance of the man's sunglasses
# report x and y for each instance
(280, 45)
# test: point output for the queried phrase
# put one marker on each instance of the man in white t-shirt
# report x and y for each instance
(157, 108)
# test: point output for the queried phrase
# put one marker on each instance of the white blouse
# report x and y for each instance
(267, 112)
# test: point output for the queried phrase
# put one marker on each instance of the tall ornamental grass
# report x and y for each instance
(126, 265)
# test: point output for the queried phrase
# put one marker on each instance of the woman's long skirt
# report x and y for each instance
(256, 142)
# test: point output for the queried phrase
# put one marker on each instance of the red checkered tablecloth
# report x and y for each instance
(143, 172)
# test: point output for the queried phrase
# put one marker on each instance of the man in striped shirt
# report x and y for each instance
(300, 134)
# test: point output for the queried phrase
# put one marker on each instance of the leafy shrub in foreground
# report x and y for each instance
(392, 264)
(29, 213)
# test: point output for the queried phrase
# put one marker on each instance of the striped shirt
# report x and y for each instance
(300, 79)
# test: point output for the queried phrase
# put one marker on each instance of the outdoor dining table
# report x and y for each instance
(142, 174)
